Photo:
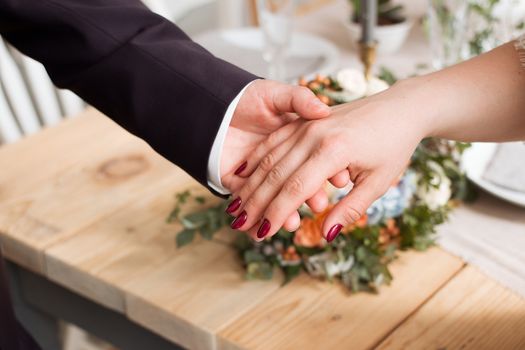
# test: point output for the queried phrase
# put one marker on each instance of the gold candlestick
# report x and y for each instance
(368, 56)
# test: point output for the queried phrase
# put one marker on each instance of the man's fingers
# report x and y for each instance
(274, 170)
(352, 207)
(293, 222)
(299, 186)
(341, 179)
(300, 100)
(271, 142)
(319, 201)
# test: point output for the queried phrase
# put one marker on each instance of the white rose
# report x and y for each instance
(353, 81)
(438, 196)
(376, 85)
(337, 268)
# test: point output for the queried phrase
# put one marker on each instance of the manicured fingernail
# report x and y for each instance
(241, 168)
(234, 205)
(239, 220)
(334, 231)
(264, 229)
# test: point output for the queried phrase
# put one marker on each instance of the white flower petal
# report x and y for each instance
(353, 81)
(435, 197)
(376, 85)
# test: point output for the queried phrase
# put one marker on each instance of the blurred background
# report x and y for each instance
(303, 39)
(288, 41)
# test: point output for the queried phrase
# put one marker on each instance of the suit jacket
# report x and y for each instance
(136, 67)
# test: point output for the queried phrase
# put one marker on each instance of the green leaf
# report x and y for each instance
(174, 215)
(200, 199)
(387, 75)
(182, 197)
(242, 242)
(195, 220)
(259, 271)
(185, 237)
(290, 272)
(253, 256)
(207, 232)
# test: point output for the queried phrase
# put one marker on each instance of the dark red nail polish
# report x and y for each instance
(334, 231)
(241, 168)
(234, 205)
(239, 220)
(264, 229)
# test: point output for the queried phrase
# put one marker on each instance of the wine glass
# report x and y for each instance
(275, 18)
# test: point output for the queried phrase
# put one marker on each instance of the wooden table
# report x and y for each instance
(82, 218)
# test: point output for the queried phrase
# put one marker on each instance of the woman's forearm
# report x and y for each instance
(482, 99)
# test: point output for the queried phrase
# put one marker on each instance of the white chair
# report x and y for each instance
(28, 99)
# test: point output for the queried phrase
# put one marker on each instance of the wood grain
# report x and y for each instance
(195, 294)
(308, 314)
(100, 259)
(68, 177)
(129, 262)
(471, 312)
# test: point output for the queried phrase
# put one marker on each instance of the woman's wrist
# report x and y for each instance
(410, 101)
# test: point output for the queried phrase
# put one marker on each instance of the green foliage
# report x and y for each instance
(370, 269)
(418, 226)
(481, 39)
(205, 222)
(185, 237)
(387, 75)
(446, 154)
(290, 272)
(259, 271)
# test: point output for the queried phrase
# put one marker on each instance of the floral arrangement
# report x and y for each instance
(404, 218)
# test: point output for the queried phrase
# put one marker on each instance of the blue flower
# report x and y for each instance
(408, 187)
(338, 194)
(375, 212)
(394, 202)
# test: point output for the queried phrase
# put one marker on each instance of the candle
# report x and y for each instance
(368, 20)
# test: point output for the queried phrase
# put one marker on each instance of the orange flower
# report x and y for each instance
(391, 227)
(363, 220)
(291, 254)
(310, 232)
(386, 234)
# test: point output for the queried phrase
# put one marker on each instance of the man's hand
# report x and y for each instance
(266, 107)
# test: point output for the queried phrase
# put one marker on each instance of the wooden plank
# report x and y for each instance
(32, 161)
(470, 312)
(68, 177)
(100, 259)
(309, 314)
(192, 296)
(185, 295)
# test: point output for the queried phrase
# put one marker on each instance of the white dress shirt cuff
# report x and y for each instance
(214, 161)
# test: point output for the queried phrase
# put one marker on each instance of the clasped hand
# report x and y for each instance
(358, 142)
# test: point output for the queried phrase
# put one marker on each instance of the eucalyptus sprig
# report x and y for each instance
(205, 222)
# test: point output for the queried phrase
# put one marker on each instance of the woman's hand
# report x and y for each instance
(266, 106)
(370, 141)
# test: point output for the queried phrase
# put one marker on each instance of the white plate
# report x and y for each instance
(308, 54)
(475, 161)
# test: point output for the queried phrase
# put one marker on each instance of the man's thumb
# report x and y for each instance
(302, 101)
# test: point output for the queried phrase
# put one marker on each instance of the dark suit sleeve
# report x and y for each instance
(134, 66)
